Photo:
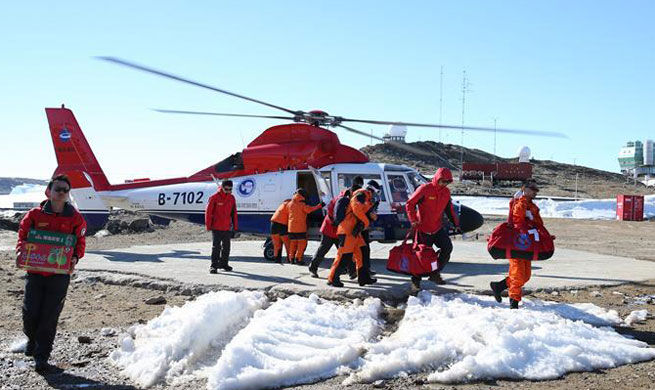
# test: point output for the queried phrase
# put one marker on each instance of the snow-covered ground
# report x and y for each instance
(580, 209)
(242, 341)
(29, 193)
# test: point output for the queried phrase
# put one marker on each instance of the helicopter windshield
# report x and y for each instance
(416, 179)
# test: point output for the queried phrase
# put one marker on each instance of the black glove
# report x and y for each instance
(234, 234)
(458, 230)
(322, 204)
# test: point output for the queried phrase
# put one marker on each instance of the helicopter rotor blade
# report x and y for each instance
(221, 114)
(467, 128)
(399, 145)
(187, 81)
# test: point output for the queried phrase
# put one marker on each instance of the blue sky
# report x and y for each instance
(585, 68)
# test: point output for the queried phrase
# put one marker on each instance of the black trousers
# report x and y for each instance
(43, 302)
(323, 248)
(442, 241)
(220, 247)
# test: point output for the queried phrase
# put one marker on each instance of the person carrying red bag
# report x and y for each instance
(432, 200)
(525, 217)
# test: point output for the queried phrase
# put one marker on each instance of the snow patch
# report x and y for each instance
(27, 189)
(296, 340)
(176, 342)
(636, 316)
(461, 337)
(580, 209)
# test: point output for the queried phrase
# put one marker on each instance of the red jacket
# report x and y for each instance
(432, 202)
(69, 221)
(221, 212)
(327, 228)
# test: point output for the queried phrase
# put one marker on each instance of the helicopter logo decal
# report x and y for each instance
(247, 187)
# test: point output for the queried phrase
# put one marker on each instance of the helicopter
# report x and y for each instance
(302, 154)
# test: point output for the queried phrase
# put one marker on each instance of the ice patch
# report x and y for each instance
(296, 340)
(636, 316)
(27, 189)
(461, 337)
(177, 341)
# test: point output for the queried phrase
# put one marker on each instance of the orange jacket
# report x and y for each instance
(360, 204)
(298, 211)
(525, 214)
(281, 215)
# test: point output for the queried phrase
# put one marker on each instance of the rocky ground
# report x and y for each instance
(554, 178)
(100, 310)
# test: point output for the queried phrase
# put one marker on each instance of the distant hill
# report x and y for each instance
(555, 179)
(7, 183)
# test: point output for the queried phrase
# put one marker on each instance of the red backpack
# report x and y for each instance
(507, 242)
(412, 258)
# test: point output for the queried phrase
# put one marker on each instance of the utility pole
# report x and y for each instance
(495, 118)
(440, 101)
(576, 186)
(461, 150)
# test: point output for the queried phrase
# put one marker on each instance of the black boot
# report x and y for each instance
(416, 282)
(436, 278)
(513, 304)
(364, 278)
(497, 289)
(313, 271)
(335, 283)
(224, 266)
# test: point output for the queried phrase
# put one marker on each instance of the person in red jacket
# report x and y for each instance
(298, 211)
(329, 228)
(45, 292)
(525, 217)
(432, 200)
(222, 219)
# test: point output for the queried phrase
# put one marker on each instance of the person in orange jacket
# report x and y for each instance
(298, 211)
(45, 292)
(280, 230)
(359, 216)
(525, 216)
(222, 219)
(425, 209)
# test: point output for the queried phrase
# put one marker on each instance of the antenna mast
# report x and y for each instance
(461, 150)
(440, 101)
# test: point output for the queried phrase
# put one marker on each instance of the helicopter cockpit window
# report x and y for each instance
(415, 179)
(399, 189)
(346, 179)
(327, 176)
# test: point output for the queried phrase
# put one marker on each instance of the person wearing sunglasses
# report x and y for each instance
(45, 292)
(222, 220)
(425, 209)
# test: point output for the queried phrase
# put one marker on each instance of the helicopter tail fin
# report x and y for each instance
(76, 160)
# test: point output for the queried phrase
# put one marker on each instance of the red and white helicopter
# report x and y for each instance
(283, 158)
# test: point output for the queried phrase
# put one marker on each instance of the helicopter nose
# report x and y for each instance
(469, 219)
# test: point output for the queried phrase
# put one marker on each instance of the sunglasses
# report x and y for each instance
(227, 189)
(61, 189)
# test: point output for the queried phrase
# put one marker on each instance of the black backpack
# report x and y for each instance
(340, 208)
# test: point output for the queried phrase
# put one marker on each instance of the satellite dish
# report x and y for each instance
(524, 154)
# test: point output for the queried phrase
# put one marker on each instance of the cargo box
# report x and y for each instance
(47, 252)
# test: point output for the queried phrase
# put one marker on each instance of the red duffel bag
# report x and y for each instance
(508, 242)
(412, 259)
